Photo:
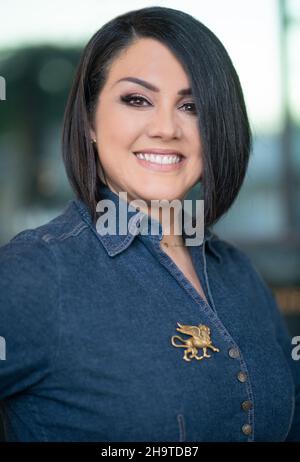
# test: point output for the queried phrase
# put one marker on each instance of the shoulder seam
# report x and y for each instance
(79, 227)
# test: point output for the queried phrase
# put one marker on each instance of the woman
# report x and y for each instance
(138, 336)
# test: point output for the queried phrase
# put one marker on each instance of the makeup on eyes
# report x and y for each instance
(128, 97)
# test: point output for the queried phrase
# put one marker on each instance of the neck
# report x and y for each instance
(170, 220)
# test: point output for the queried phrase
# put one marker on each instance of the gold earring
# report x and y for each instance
(93, 140)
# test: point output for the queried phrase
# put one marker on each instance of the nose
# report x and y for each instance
(164, 124)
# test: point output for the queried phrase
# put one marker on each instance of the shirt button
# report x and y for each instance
(247, 429)
(242, 376)
(234, 353)
(247, 405)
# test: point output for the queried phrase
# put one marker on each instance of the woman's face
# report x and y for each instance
(131, 118)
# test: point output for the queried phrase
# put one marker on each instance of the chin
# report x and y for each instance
(156, 193)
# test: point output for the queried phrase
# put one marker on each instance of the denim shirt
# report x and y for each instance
(88, 321)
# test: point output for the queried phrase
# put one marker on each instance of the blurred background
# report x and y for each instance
(40, 46)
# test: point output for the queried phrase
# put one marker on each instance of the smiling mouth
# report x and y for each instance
(159, 159)
(161, 163)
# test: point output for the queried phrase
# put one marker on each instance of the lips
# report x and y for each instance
(160, 166)
(161, 152)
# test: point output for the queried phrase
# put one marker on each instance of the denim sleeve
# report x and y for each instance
(285, 341)
(28, 314)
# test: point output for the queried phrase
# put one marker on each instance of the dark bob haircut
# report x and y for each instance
(222, 117)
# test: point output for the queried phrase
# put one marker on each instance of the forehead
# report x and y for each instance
(149, 59)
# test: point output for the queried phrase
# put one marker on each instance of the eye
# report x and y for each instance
(136, 100)
(193, 111)
(127, 99)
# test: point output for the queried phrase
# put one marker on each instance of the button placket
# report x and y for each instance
(242, 377)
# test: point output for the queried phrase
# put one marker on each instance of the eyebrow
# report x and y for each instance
(150, 86)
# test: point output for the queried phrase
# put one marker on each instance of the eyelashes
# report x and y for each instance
(127, 99)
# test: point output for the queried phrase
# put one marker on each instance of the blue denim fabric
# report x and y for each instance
(88, 321)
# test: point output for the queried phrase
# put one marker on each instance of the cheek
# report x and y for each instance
(192, 135)
(196, 153)
(117, 128)
(115, 135)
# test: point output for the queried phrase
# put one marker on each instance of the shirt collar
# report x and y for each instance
(115, 243)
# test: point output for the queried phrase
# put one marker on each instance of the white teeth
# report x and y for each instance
(159, 159)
